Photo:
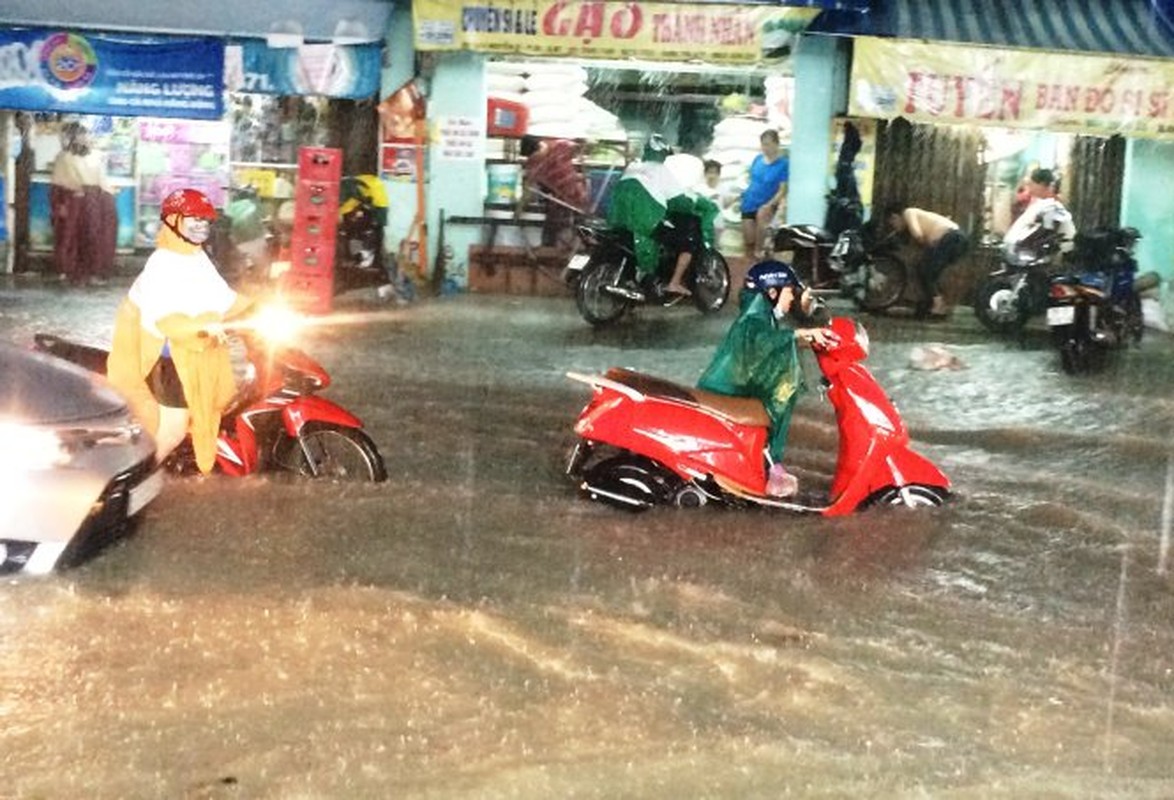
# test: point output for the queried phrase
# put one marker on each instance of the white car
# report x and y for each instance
(75, 465)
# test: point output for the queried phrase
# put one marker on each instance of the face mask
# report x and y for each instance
(195, 230)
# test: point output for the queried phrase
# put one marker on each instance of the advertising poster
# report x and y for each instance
(329, 70)
(939, 83)
(72, 72)
(717, 33)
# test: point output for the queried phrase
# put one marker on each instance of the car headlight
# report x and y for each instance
(28, 448)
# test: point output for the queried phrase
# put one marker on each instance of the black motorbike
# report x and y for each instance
(1017, 289)
(1095, 307)
(605, 280)
(851, 264)
(359, 259)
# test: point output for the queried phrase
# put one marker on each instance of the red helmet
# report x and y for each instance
(188, 203)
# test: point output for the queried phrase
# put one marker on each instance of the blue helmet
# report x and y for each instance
(771, 274)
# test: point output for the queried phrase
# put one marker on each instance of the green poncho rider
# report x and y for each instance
(657, 208)
(759, 356)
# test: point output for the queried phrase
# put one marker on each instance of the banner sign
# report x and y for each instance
(66, 71)
(344, 71)
(719, 33)
(939, 83)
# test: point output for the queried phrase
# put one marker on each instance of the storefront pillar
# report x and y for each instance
(456, 157)
(821, 68)
(1146, 204)
(401, 194)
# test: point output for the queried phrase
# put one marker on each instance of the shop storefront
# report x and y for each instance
(965, 103)
(171, 112)
(111, 82)
(606, 74)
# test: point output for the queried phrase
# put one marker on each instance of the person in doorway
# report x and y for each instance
(942, 243)
(81, 202)
(1044, 214)
(765, 195)
(551, 170)
(168, 356)
(759, 356)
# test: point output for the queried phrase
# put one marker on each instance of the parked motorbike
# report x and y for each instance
(871, 276)
(362, 215)
(277, 422)
(604, 275)
(1096, 307)
(645, 441)
(1017, 289)
(242, 244)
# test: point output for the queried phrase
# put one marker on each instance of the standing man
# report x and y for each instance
(85, 223)
(550, 167)
(765, 194)
(942, 243)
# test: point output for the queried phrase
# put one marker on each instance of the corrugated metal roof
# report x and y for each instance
(1124, 27)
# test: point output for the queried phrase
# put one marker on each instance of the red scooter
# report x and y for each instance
(645, 441)
(276, 422)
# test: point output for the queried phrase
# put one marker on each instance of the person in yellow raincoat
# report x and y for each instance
(168, 355)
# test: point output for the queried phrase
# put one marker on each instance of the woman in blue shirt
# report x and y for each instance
(765, 194)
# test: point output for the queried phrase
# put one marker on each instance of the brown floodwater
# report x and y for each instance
(474, 629)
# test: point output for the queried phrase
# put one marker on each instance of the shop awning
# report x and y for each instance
(1124, 27)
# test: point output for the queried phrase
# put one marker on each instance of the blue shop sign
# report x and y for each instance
(329, 70)
(124, 75)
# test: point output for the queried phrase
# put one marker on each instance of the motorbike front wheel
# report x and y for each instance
(711, 281)
(912, 496)
(324, 450)
(596, 304)
(884, 282)
(998, 306)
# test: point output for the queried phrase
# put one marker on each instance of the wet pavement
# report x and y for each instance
(474, 629)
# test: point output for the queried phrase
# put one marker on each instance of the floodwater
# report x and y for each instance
(473, 629)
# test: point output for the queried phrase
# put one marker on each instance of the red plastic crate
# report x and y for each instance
(320, 164)
(312, 294)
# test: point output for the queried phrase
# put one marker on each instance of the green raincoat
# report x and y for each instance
(759, 358)
(643, 196)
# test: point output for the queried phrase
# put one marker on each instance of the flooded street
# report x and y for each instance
(473, 629)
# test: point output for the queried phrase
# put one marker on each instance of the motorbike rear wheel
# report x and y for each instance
(1075, 356)
(998, 305)
(325, 450)
(595, 303)
(711, 281)
(630, 482)
(884, 284)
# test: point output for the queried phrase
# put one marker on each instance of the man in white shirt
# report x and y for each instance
(1044, 212)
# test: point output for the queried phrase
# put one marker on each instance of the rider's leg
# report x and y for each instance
(173, 427)
(677, 282)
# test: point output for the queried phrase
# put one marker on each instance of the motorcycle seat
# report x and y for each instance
(806, 235)
(740, 410)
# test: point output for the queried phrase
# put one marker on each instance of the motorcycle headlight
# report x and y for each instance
(29, 448)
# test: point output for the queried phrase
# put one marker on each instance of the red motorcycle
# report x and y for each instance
(645, 441)
(276, 422)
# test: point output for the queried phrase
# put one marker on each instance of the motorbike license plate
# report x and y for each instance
(144, 492)
(1061, 315)
(578, 262)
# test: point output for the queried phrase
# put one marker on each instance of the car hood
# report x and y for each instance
(41, 389)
